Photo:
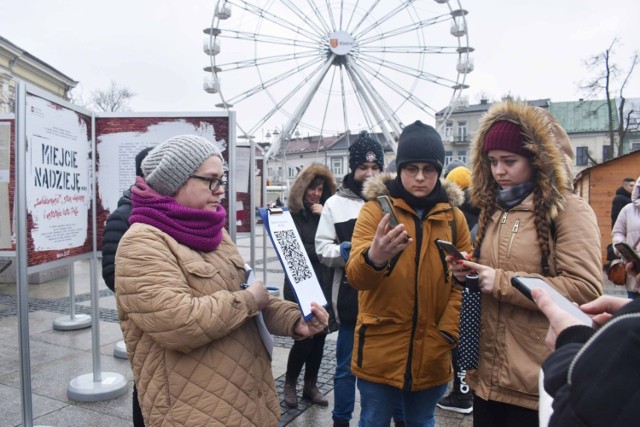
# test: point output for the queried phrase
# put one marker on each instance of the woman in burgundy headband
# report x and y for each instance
(530, 224)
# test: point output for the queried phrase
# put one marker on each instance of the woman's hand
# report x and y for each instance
(387, 242)
(602, 308)
(486, 274)
(260, 293)
(316, 324)
(559, 319)
(316, 208)
(458, 270)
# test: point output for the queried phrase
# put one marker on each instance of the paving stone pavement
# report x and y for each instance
(59, 356)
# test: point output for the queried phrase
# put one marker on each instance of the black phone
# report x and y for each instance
(628, 253)
(387, 208)
(526, 283)
(450, 249)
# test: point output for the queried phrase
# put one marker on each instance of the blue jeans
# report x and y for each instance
(378, 401)
(344, 382)
(633, 295)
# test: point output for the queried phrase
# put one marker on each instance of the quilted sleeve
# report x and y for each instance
(180, 307)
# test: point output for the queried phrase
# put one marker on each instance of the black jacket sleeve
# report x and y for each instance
(594, 382)
(117, 224)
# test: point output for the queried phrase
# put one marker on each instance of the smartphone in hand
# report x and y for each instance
(450, 249)
(387, 208)
(525, 284)
(628, 253)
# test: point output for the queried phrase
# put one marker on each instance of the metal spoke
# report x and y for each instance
(336, 66)
(265, 38)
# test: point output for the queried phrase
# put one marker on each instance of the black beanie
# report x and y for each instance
(365, 149)
(139, 158)
(420, 143)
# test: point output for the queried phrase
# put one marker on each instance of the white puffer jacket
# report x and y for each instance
(627, 229)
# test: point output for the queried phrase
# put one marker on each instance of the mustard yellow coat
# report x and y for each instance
(398, 339)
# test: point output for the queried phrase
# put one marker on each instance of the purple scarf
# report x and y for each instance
(196, 228)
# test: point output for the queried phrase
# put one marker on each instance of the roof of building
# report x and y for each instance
(584, 115)
(36, 62)
(336, 142)
(484, 105)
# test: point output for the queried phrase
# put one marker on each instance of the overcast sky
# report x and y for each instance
(531, 49)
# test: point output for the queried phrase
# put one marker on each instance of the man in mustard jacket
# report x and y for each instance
(409, 307)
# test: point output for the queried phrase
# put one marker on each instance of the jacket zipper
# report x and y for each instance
(514, 230)
(408, 377)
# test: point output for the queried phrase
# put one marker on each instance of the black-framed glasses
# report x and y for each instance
(412, 170)
(214, 183)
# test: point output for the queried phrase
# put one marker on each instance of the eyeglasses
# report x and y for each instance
(214, 183)
(412, 170)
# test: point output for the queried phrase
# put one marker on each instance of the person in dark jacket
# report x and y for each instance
(621, 199)
(311, 188)
(117, 224)
(115, 227)
(593, 373)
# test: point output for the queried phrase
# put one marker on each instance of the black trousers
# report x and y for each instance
(489, 413)
(305, 352)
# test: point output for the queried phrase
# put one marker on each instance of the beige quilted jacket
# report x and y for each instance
(190, 333)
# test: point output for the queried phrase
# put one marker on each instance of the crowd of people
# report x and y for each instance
(191, 322)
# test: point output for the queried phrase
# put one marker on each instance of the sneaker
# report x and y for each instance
(461, 403)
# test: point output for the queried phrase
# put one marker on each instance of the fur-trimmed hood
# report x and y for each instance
(295, 201)
(376, 186)
(549, 143)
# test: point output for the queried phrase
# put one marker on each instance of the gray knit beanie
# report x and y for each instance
(168, 166)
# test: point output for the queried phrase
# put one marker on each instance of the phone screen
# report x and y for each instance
(387, 208)
(525, 284)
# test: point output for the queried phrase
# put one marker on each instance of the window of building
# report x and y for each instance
(448, 130)
(582, 156)
(448, 157)
(607, 153)
(292, 171)
(635, 146)
(462, 156)
(336, 166)
(462, 131)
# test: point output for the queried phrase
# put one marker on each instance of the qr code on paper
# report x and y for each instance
(293, 256)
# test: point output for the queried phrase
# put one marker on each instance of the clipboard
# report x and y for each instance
(293, 258)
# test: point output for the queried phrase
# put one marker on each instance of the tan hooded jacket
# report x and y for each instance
(409, 315)
(194, 347)
(551, 224)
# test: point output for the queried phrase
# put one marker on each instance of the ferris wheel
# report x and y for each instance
(323, 68)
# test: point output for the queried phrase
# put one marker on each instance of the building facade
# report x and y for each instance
(18, 64)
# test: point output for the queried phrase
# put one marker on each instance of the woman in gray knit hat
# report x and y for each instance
(189, 325)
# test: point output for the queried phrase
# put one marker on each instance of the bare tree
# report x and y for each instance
(607, 74)
(116, 98)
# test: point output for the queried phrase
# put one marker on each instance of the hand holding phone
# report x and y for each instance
(628, 253)
(450, 249)
(525, 284)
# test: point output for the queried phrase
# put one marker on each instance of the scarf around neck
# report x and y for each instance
(513, 196)
(198, 229)
(356, 186)
(437, 195)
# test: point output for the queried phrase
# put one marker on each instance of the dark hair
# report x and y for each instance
(629, 180)
(316, 181)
